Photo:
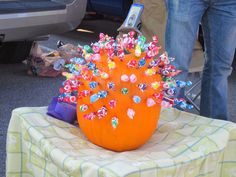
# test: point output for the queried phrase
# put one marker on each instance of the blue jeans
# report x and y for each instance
(218, 19)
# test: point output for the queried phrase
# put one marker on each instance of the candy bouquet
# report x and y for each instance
(118, 87)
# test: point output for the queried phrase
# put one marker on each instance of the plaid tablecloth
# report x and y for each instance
(183, 145)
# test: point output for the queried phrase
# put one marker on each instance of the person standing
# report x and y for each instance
(218, 20)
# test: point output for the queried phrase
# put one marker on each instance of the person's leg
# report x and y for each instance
(219, 28)
(183, 20)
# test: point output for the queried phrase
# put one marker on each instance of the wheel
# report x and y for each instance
(15, 52)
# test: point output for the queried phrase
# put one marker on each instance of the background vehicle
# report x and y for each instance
(24, 21)
(118, 8)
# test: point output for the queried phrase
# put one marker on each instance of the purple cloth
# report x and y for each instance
(62, 111)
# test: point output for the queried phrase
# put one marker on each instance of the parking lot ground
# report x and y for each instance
(17, 89)
(86, 33)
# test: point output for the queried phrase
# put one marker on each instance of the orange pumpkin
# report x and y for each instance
(126, 124)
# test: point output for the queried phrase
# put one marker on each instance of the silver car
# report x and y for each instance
(24, 21)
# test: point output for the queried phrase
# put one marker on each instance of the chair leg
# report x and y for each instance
(199, 93)
(192, 100)
(193, 103)
(193, 86)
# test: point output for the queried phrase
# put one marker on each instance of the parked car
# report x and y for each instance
(118, 8)
(24, 21)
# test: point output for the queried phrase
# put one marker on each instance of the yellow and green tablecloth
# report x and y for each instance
(184, 145)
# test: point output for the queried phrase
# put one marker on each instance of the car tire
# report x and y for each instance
(15, 52)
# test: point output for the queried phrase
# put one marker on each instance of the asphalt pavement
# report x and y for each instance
(17, 89)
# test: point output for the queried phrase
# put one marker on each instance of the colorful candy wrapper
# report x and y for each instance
(114, 122)
(130, 113)
(102, 112)
(85, 71)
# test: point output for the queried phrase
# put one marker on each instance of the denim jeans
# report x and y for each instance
(218, 19)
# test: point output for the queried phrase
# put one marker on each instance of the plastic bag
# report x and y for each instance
(47, 64)
(68, 51)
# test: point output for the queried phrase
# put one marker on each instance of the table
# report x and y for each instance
(184, 145)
